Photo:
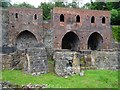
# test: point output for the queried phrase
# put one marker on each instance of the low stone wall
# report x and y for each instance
(66, 63)
(33, 60)
(13, 60)
(105, 59)
(36, 61)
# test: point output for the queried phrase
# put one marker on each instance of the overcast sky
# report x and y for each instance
(37, 2)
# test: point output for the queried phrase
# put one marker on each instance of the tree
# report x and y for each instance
(73, 5)
(116, 33)
(23, 5)
(5, 3)
(86, 6)
(59, 4)
(115, 15)
(47, 7)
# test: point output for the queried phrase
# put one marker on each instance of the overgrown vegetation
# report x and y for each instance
(92, 79)
(116, 33)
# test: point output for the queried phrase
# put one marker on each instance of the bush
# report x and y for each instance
(116, 33)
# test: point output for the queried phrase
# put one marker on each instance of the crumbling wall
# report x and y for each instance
(105, 59)
(48, 37)
(5, 22)
(13, 60)
(66, 63)
(36, 61)
(32, 60)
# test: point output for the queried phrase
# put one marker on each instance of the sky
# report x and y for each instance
(37, 2)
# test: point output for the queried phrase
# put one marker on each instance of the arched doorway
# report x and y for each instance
(95, 41)
(25, 40)
(70, 41)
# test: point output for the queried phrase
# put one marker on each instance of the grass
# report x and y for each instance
(92, 79)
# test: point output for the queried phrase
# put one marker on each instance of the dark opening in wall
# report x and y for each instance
(70, 41)
(69, 64)
(92, 19)
(95, 41)
(16, 15)
(35, 16)
(78, 18)
(61, 18)
(25, 40)
(103, 20)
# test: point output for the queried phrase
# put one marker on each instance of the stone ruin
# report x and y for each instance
(73, 38)
(67, 63)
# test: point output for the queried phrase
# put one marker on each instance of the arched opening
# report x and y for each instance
(95, 41)
(61, 18)
(70, 41)
(35, 16)
(78, 18)
(25, 40)
(103, 20)
(16, 15)
(92, 19)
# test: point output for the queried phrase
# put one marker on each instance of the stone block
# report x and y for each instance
(66, 62)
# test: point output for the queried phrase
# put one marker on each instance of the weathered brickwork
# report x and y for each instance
(83, 29)
(21, 19)
(28, 41)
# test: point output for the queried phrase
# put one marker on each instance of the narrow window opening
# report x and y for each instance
(61, 18)
(35, 16)
(103, 20)
(16, 15)
(92, 19)
(78, 18)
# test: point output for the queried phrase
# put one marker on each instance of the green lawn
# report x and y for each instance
(92, 79)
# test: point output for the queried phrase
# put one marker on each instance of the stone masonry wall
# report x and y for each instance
(48, 37)
(5, 22)
(36, 61)
(66, 63)
(13, 60)
(105, 59)
(33, 60)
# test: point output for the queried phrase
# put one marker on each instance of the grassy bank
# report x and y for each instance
(92, 79)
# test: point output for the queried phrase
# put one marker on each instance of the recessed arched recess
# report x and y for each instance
(25, 40)
(92, 19)
(95, 41)
(103, 20)
(77, 18)
(61, 18)
(70, 41)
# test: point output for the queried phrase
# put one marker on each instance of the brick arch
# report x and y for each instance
(72, 38)
(25, 39)
(95, 41)
(20, 31)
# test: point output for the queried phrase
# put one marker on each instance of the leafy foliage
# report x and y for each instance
(116, 32)
(47, 7)
(5, 4)
(23, 5)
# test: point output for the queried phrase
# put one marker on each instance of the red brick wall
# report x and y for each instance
(83, 29)
(25, 21)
